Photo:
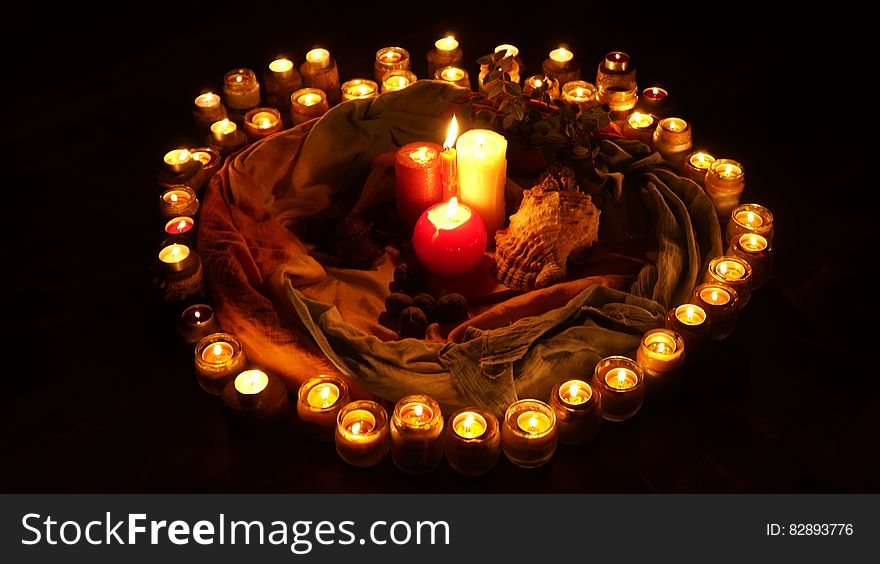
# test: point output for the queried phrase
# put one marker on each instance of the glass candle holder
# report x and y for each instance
(241, 92)
(661, 354)
(755, 250)
(210, 161)
(578, 411)
(639, 127)
(453, 75)
(207, 109)
(725, 182)
(733, 272)
(581, 93)
(390, 59)
(473, 441)
(281, 80)
(672, 139)
(359, 89)
(446, 52)
(750, 218)
(529, 434)
(691, 322)
(178, 271)
(655, 101)
(620, 382)
(362, 437)
(319, 71)
(262, 122)
(180, 162)
(719, 301)
(561, 66)
(540, 83)
(696, 165)
(319, 401)
(178, 200)
(226, 137)
(219, 357)
(398, 80)
(417, 434)
(255, 400)
(616, 83)
(197, 322)
(306, 104)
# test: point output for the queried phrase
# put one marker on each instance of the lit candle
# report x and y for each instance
(255, 400)
(616, 83)
(639, 127)
(362, 437)
(177, 271)
(359, 89)
(755, 250)
(175, 257)
(281, 80)
(210, 161)
(281, 68)
(449, 164)
(561, 67)
(179, 225)
(725, 182)
(449, 238)
(319, 71)
(581, 93)
(447, 44)
(696, 165)
(453, 75)
(536, 85)
(528, 433)
(241, 92)
(207, 101)
(655, 101)
(389, 59)
(397, 80)
(691, 322)
(446, 52)
(320, 400)
(733, 272)
(578, 411)
(620, 382)
(262, 122)
(218, 357)
(660, 353)
(482, 175)
(473, 441)
(180, 161)
(672, 139)
(225, 137)
(177, 201)
(417, 434)
(306, 104)
(197, 322)
(207, 109)
(418, 179)
(720, 303)
(561, 55)
(750, 218)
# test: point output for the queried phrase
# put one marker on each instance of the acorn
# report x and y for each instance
(427, 304)
(452, 308)
(396, 303)
(401, 275)
(413, 323)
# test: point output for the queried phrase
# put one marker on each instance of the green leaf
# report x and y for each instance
(513, 89)
(508, 120)
(555, 138)
(517, 111)
(486, 59)
(491, 76)
(543, 126)
(506, 64)
(495, 88)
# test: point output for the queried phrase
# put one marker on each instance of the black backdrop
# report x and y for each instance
(98, 395)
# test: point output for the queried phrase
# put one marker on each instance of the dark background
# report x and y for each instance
(98, 395)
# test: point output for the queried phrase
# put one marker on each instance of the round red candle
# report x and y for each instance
(419, 181)
(449, 238)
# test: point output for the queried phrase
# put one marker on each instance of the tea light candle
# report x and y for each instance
(362, 437)
(176, 257)
(725, 182)
(696, 165)
(262, 122)
(177, 201)
(733, 272)
(177, 271)
(417, 434)
(482, 175)
(446, 52)
(180, 161)
(180, 225)
(320, 400)
(281, 81)
(578, 411)
(473, 441)
(397, 80)
(319, 71)
(207, 109)
(210, 161)
(255, 400)
(561, 66)
(655, 101)
(719, 301)
(672, 139)
(418, 179)
(755, 250)
(528, 433)
(197, 322)
(639, 127)
(661, 352)
(539, 84)
(453, 75)
(449, 238)
(225, 137)
(306, 104)
(616, 83)
(620, 382)
(241, 92)
(359, 89)
(750, 218)
(281, 68)
(390, 59)
(219, 357)
(581, 93)
(691, 322)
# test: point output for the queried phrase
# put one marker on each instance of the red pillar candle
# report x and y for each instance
(419, 180)
(450, 238)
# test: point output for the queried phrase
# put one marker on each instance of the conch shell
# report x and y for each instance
(554, 220)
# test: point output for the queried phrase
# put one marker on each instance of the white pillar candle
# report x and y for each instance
(482, 174)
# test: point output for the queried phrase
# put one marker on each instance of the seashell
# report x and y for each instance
(553, 221)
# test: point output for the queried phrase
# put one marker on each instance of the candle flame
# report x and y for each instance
(418, 410)
(661, 348)
(533, 423)
(468, 422)
(722, 268)
(264, 123)
(451, 134)
(750, 218)
(753, 241)
(356, 428)
(451, 208)
(621, 376)
(714, 295)
(197, 314)
(175, 250)
(173, 198)
(218, 350)
(655, 91)
(238, 78)
(689, 313)
(728, 170)
(183, 156)
(573, 391)
(181, 226)
(579, 92)
(325, 393)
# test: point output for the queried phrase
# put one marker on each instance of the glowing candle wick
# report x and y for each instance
(714, 295)
(533, 423)
(325, 393)
(468, 421)
(661, 348)
(573, 391)
(197, 315)
(689, 313)
(418, 410)
(356, 428)
(217, 350)
(173, 198)
(750, 218)
(182, 225)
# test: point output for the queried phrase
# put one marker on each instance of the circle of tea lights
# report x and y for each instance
(474, 438)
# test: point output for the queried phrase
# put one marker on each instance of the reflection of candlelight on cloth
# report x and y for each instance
(528, 433)
(473, 442)
(449, 238)
(362, 437)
